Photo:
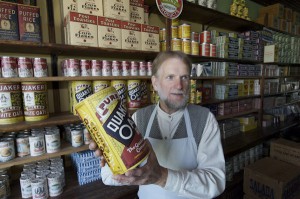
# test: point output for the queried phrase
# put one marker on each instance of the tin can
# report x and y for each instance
(85, 67)
(149, 68)
(64, 68)
(174, 32)
(35, 100)
(25, 67)
(59, 169)
(144, 93)
(54, 184)
(52, 140)
(73, 67)
(39, 188)
(212, 50)
(40, 67)
(205, 37)
(125, 68)
(9, 67)
(184, 31)
(7, 149)
(106, 68)
(96, 66)
(175, 22)
(202, 3)
(186, 46)
(195, 36)
(25, 184)
(79, 90)
(198, 96)
(212, 4)
(176, 45)
(99, 85)
(2, 189)
(193, 85)
(116, 68)
(192, 99)
(195, 48)
(204, 49)
(23, 147)
(10, 103)
(5, 179)
(162, 34)
(142, 68)
(37, 145)
(134, 94)
(121, 88)
(76, 137)
(134, 68)
(163, 46)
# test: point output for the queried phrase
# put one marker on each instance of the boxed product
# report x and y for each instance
(271, 54)
(9, 28)
(275, 9)
(137, 11)
(131, 35)
(90, 7)
(65, 7)
(146, 14)
(269, 178)
(81, 29)
(285, 150)
(109, 33)
(29, 23)
(117, 9)
(150, 38)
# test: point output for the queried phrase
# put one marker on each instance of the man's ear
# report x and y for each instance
(154, 82)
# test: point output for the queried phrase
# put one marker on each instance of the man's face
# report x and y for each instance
(172, 84)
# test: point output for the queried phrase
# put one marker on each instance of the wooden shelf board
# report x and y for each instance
(216, 101)
(223, 117)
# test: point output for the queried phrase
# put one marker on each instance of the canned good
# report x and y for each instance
(73, 67)
(212, 50)
(184, 31)
(186, 46)
(79, 90)
(23, 147)
(195, 36)
(106, 68)
(52, 140)
(149, 68)
(25, 184)
(163, 46)
(116, 68)
(162, 34)
(37, 145)
(134, 68)
(174, 32)
(96, 66)
(144, 93)
(54, 184)
(76, 137)
(39, 188)
(7, 149)
(121, 88)
(204, 49)
(40, 67)
(175, 22)
(85, 67)
(205, 37)
(134, 94)
(9, 67)
(99, 85)
(142, 68)
(195, 48)
(25, 67)
(176, 44)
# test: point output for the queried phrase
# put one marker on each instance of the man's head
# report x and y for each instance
(171, 72)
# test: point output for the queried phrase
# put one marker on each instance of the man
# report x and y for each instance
(186, 158)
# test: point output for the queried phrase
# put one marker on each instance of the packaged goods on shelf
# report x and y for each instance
(275, 9)
(9, 28)
(271, 54)
(117, 9)
(146, 14)
(91, 7)
(137, 11)
(78, 91)
(229, 127)
(131, 35)
(109, 33)
(278, 181)
(150, 38)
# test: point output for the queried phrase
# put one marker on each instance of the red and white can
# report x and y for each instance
(116, 68)
(64, 67)
(106, 68)
(9, 67)
(25, 67)
(134, 68)
(125, 68)
(149, 68)
(205, 37)
(96, 66)
(40, 67)
(204, 49)
(85, 67)
(73, 67)
(213, 50)
(142, 68)
(195, 36)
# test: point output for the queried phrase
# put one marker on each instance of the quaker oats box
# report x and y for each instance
(9, 27)
(117, 9)
(131, 35)
(109, 33)
(82, 29)
(150, 38)
(137, 11)
(29, 23)
(65, 7)
(92, 7)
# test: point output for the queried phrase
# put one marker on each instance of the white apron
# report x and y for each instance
(174, 154)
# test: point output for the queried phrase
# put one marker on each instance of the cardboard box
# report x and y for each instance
(269, 178)
(109, 33)
(150, 38)
(117, 9)
(272, 21)
(131, 35)
(9, 28)
(65, 7)
(275, 9)
(286, 150)
(271, 54)
(137, 11)
(90, 7)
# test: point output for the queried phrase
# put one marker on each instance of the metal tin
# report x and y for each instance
(176, 45)
(192, 99)
(162, 34)
(73, 67)
(99, 85)
(39, 188)
(52, 140)
(10, 103)
(85, 67)
(186, 46)
(193, 84)
(9, 67)
(175, 22)
(5, 179)
(116, 68)
(163, 45)
(213, 50)
(134, 68)
(23, 147)
(79, 90)
(35, 101)
(174, 32)
(40, 67)
(121, 88)
(54, 184)
(7, 149)
(37, 145)
(2, 189)
(142, 68)
(96, 66)
(204, 49)
(194, 48)
(106, 68)
(149, 68)
(134, 94)
(76, 137)
(198, 97)
(25, 67)
(59, 169)
(144, 93)
(195, 36)
(184, 31)
(205, 37)
(125, 67)
(25, 184)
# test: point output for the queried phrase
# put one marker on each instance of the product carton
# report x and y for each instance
(286, 150)
(271, 54)
(131, 35)
(90, 7)
(109, 33)
(117, 9)
(150, 38)
(269, 178)
(137, 11)
(275, 9)
(9, 29)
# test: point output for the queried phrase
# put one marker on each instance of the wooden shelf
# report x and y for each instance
(295, 5)
(223, 117)
(66, 149)
(196, 58)
(54, 119)
(216, 101)
(225, 78)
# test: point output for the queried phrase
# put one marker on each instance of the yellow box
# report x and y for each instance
(248, 127)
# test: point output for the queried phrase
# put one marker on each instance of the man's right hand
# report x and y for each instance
(98, 153)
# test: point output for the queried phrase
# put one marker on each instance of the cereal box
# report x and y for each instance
(137, 11)
(29, 23)
(81, 29)
(92, 7)
(150, 38)
(109, 33)
(117, 9)
(65, 7)
(131, 35)
(146, 14)
(9, 28)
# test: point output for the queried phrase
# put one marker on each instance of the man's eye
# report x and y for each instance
(186, 77)
(170, 77)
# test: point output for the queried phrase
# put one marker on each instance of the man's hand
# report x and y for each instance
(150, 173)
(98, 153)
